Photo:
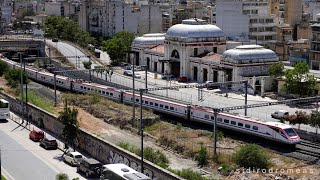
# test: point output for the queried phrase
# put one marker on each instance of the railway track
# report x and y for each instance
(307, 151)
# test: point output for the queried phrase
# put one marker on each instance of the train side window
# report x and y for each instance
(85, 88)
(137, 100)
(240, 124)
(206, 116)
(255, 128)
(142, 101)
(111, 94)
(147, 102)
(161, 105)
(81, 87)
(233, 123)
(212, 117)
(171, 108)
(219, 119)
(156, 104)
(226, 120)
(103, 92)
(247, 126)
(107, 93)
(99, 91)
(167, 107)
(151, 103)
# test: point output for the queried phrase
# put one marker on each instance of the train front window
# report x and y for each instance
(290, 132)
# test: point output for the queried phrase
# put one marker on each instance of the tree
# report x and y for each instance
(118, 46)
(252, 156)
(87, 64)
(276, 70)
(3, 67)
(202, 156)
(71, 125)
(300, 117)
(299, 82)
(62, 176)
(315, 120)
(63, 28)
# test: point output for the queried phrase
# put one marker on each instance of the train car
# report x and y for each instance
(158, 105)
(104, 91)
(270, 130)
(61, 81)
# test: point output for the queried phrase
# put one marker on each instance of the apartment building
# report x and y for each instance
(311, 7)
(246, 20)
(106, 18)
(315, 47)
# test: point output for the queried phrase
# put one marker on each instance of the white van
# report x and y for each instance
(280, 114)
(122, 172)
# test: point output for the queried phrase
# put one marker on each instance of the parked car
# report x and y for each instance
(182, 79)
(280, 114)
(49, 143)
(55, 40)
(36, 135)
(167, 76)
(128, 73)
(136, 75)
(211, 87)
(90, 166)
(73, 158)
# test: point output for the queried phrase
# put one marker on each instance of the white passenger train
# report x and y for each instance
(274, 131)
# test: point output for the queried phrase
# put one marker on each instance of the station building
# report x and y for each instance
(200, 52)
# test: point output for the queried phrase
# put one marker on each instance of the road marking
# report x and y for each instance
(6, 174)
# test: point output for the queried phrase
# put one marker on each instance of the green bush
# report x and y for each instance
(226, 169)
(87, 64)
(3, 67)
(188, 174)
(62, 176)
(220, 135)
(202, 156)
(155, 156)
(13, 77)
(252, 156)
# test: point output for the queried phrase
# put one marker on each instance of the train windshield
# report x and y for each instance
(290, 132)
(3, 104)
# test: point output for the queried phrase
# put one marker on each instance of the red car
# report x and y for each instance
(182, 79)
(36, 135)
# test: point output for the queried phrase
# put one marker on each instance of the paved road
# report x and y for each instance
(211, 98)
(25, 159)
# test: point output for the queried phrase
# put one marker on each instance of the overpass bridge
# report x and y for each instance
(10, 45)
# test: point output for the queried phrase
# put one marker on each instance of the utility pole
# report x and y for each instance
(246, 98)
(141, 129)
(21, 87)
(24, 70)
(215, 135)
(55, 89)
(0, 164)
(146, 69)
(133, 97)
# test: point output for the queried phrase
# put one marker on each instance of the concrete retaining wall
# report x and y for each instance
(89, 143)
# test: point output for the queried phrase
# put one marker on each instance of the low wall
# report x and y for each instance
(89, 143)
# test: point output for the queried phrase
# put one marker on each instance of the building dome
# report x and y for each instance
(149, 40)
(194, 28)
(248, 52)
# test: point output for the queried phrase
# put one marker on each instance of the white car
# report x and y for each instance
(73, 158)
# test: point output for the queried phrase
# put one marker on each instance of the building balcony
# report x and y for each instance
(297, 59)
(262, 24)
(315, 50)
(264, 33)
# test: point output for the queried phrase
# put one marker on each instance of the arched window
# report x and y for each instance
(175, 54)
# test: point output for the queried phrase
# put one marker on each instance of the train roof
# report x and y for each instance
(4, 101)
(278, 124)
